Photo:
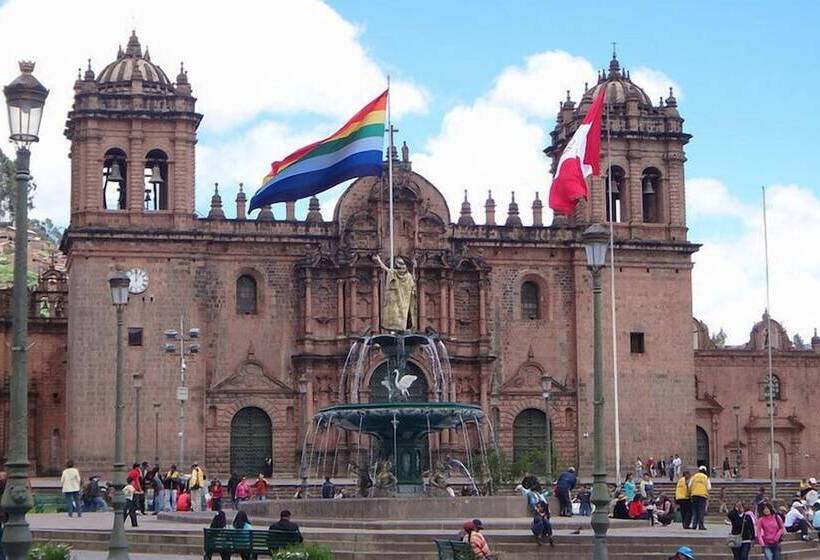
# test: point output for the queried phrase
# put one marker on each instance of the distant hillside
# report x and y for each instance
(41, 252)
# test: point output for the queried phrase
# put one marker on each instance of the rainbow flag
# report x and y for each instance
(355, 150)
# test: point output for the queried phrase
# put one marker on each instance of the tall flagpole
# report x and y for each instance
(612, 295)
(769, 351)
(390, 169)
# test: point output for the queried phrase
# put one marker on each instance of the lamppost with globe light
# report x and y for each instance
(25, 99)
(596, 242)
(118, 546)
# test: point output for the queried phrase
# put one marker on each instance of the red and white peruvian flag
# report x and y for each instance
(580, 159)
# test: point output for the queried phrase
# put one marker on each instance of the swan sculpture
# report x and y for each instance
(403, 383)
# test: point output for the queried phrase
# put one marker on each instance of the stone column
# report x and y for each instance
(308, 306)
(353, 322)
(375, 307)
(443, 307)
(340, 306)
(482, 314)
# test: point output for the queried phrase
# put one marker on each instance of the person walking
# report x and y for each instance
(769, 530)
(233, 482)
(743, 531)
(677, 463)
(93, 495)
(566, 482)
(584, 499)
(727, 468)
(638, 468)
(196, 483)
(699, 486)
(71, 482)
(129, 491)
(684, 500)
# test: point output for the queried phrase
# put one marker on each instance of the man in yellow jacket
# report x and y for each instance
(682, 498)
(699, 486)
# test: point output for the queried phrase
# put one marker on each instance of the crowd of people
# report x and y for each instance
(150, 490)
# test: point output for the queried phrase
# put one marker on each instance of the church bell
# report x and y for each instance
(115, 176)
(156, 176)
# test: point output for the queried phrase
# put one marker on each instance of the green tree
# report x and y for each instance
(47, 229)
(7, 189)
(798, 343)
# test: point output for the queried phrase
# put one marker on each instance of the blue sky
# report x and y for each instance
(745, 67)
(476, 88)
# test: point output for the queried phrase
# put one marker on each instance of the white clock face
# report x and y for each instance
(139, 280)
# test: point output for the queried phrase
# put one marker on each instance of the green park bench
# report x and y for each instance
(44, 503)
(454, 550)
(254, 543)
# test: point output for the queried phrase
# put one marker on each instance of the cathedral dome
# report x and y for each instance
(619, 87)
(132, 63)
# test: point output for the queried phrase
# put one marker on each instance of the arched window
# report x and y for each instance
(529, 301)
(156, 181)
(775, 388)
(614, 194)
(246, 294)
(650, 195)
(115, 171)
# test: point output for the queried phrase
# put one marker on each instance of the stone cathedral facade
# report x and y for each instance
(278, 303)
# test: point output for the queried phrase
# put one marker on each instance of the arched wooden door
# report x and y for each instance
(251, 441)
(529, 433)
(703, 448)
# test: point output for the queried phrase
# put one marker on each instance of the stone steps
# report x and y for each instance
(406, 546)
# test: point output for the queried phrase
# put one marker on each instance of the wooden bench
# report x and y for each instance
(454, 550)
(254, 543)
(45, 503)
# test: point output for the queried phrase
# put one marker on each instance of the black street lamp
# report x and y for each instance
(25, 99)
(118, 546)
(596, 242)
(546, 387)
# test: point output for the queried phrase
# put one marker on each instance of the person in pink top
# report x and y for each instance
(243, 491)
(769, 531)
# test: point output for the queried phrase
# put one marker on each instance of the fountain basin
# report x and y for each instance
(400, 428)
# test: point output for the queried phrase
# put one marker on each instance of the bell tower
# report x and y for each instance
(641, 151)
(132, 134)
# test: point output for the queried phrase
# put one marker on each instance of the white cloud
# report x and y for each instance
(656, 84)
(729, 275)
(536, 89)
(288, 58)
(497, 140)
